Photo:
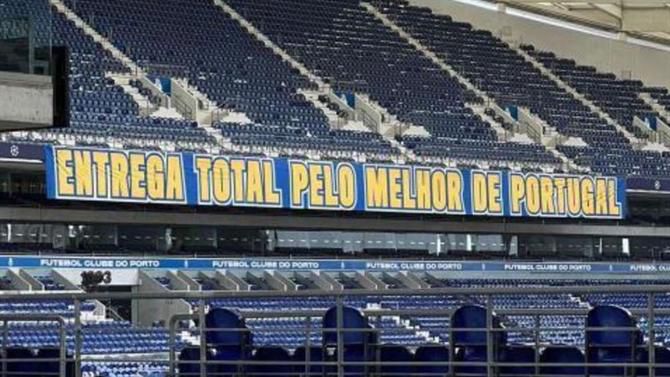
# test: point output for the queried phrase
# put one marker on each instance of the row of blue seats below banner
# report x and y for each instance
(173, 132)
(132, 119)
(230, 129)
(312, 144)
(472, 152)
(37, 306)
(124, 369)
(138, 134)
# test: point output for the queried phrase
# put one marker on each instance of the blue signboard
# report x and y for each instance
(512, 268)
(205, 180)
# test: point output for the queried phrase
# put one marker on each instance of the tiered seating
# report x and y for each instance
(104, 338)
(99, 108)
(50, 284)
(124, 369)
(638, 301)
(290, 331)
(570, 336)
(248, 78)
(505, 75)
(62, 308)
(354, 52)
(619, 98)
(661, 95)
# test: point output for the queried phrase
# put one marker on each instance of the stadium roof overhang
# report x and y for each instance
(647, 19)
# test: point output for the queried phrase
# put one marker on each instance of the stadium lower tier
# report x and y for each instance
(533, 316)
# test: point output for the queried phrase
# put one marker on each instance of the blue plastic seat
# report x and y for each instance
(661, 356)
(225, 328)
(352, 320)
(270, 368)
(21, 362)
(305, 367)
(431, 353)
(517, 355)
(468, 325)
(605, 345)
(395, 354)
(562, 355)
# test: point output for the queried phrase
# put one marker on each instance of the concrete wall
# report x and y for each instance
(625, 59)
(146, 312)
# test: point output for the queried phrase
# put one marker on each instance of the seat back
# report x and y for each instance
(517, 355)
(315, 356)
(189, 365)
(472, 354)
(51, 367)
(397, 354)
(269, 356)
(471, 322)
(563, 355)
(603, 317)
(356, 354)
(20, 362)
(352, 320)
(431, 353)
(661, 356)
(228, 329)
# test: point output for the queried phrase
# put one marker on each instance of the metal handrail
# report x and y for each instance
(215, 294)
(62, 359)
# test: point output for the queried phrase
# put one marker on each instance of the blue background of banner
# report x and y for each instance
(335, 265)
(283, 182)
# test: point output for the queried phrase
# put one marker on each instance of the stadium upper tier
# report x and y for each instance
(448, 93)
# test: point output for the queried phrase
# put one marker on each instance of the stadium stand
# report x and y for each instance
(451, 89)
(285, 122)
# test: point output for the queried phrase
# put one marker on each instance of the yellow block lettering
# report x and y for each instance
(156, 184)
(517, 193)
(137, 176)
(84, 172)
(271, 195)
(119, 173)
(423, 189)
(601, 197)
(376, 187)
(588, 200)
(547, 188)
(101, 160)
(299, 183)
(559, 183)
(203, 165)
(479, 195)
(254, 182)
(316, 185)
(175, 179)
(221, 180)
(438, 187)
(395, 188)
(408, 201)
(532, 195)
(347, 186)
(65, 172)
(237, 167)
(614, 207)
(454, 191)
(494, 194)
(574, 197)
(329, 182)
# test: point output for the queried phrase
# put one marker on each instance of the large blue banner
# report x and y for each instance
(511, 268)
(195, 179)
